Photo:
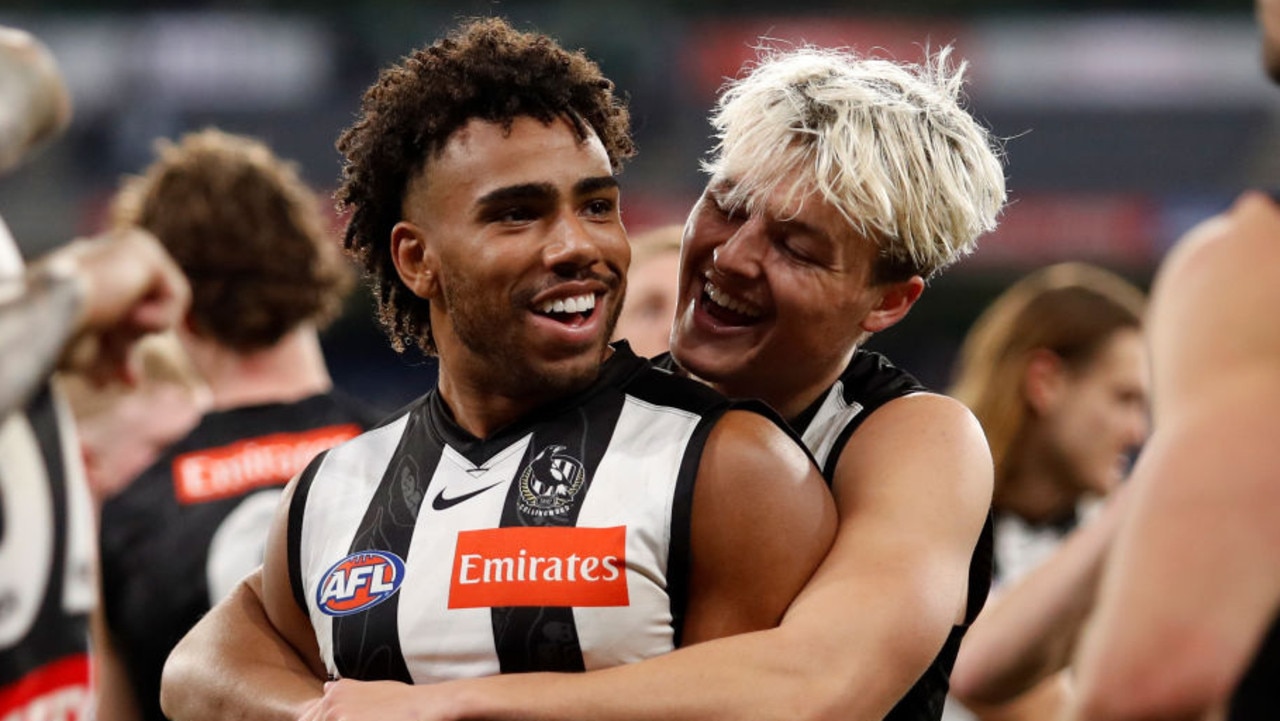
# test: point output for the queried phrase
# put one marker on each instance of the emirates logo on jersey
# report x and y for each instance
(550, 482)
(240, 467)
(540, 566)
(359, 582)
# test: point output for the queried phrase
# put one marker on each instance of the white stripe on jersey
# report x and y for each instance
(831, 419)
(340, 493)
(631, 475)
(429, 630)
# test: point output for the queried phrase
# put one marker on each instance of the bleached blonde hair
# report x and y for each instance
(888, 144)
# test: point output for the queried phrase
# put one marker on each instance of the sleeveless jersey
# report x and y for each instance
(179, 537)
(46, 565)
(868, 382)
(560, 543)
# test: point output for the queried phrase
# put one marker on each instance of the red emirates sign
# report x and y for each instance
(228, 471)
(540, 567)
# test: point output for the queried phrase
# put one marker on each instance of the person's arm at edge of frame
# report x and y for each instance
(113, 695)
(1183, 605)
(239, 662)
(85, 304)
(1030, 631)
(913, 488)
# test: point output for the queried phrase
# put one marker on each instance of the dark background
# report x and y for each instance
(1123, 122)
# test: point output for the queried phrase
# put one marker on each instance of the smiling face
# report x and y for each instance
(515, 238)
(772, 302)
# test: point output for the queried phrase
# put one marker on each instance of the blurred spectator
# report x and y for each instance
(1056, 371)
(650, 306)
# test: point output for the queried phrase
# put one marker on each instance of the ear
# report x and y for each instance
(1044, 380)
(415, 260)
(895, 302)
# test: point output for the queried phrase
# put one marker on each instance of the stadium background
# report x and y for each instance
(1123, 122)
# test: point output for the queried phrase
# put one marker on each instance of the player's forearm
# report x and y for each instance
(739, 678)
(233, 666)
(1028, 633)
(38, 316)
(771, 674)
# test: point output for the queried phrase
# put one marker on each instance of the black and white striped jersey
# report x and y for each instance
(421, 553)
(46, 564)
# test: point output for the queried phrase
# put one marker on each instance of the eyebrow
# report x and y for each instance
(594, 185)
(726, 186)
(805, 228)
(525, 192)
(543, 191)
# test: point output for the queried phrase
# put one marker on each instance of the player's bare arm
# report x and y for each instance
(1162, 644)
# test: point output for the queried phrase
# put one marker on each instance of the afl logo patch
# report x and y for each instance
(550, 482)
(359, 582)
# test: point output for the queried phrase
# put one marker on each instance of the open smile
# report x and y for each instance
(573, 316)
(726, 309)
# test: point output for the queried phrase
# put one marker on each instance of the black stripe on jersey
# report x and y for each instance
(680, 549)
(545, 638)
(297, 508)
(367, 645)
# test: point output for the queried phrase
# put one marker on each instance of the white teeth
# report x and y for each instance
(720, 298)
(576, 304)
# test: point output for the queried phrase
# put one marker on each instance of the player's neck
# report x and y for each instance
(1032, 490)
(290, 370)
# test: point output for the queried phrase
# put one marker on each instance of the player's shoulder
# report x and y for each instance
(1238, 242)
(1210, 308)
(660, 383)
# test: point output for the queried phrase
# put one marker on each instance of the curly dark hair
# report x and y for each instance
(250, 235)
(484, 70)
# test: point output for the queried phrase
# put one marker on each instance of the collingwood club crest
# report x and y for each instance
(550, 482)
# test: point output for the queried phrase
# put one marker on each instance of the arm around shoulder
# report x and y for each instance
(762, 521)
(913, 490)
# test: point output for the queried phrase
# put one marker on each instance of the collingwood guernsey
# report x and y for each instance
(421, 553)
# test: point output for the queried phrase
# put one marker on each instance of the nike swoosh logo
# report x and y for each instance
(440, 503)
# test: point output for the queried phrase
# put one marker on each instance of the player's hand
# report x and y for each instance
(348, 700)
(129, 287)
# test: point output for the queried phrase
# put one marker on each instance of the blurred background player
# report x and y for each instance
(101, 294)
(1056, 371)
(1187, 623)
(650, 309)
(265, 274)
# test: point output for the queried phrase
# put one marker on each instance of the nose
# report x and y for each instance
(742, 253)
(572, 246)
(1139, 427)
